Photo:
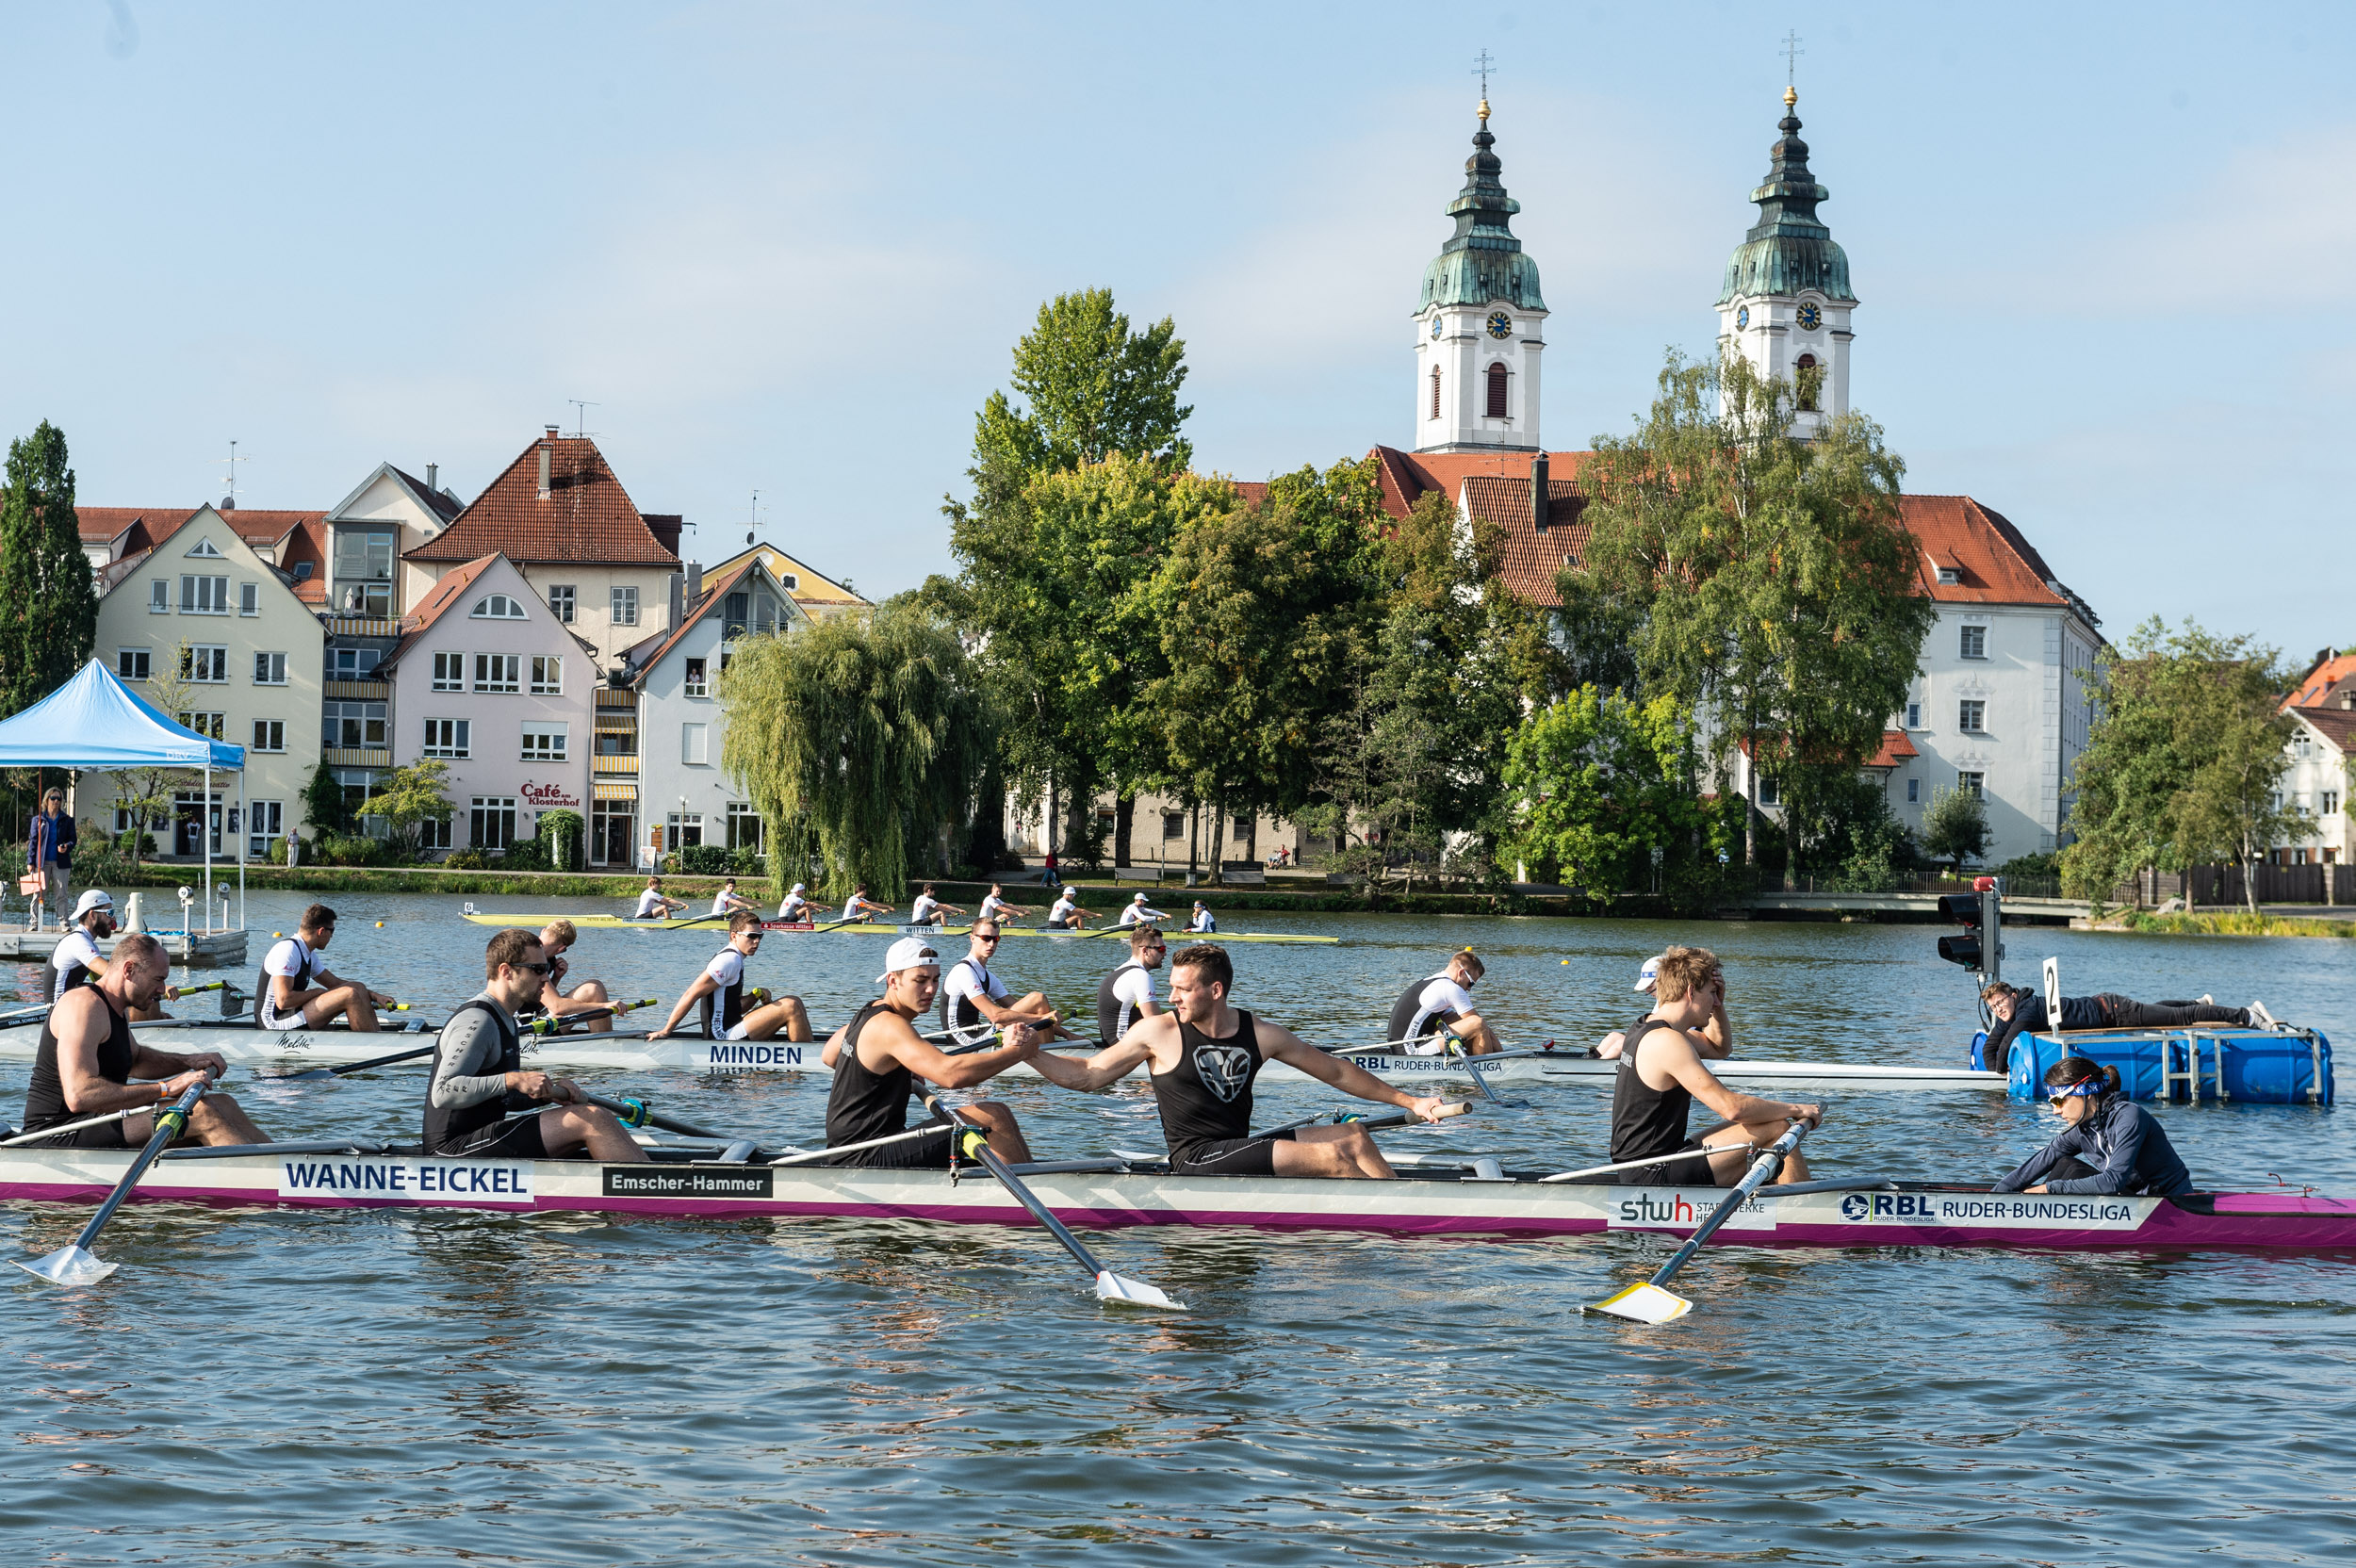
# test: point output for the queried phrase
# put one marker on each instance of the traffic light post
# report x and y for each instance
(1980, 947)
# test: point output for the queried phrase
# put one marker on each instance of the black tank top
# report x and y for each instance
(44, 1100)
(1114, 1013)
(1208, 1094)
(448, 1125)
(864, 1104)
(1408, 1019)
(1645, 1122)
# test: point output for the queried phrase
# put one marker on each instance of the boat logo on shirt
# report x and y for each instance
(1223, 1068)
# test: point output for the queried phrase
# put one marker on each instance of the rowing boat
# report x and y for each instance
(1110, 1193)
(718, 927)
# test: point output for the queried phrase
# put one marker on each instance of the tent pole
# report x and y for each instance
(205, 826)
(243, 839)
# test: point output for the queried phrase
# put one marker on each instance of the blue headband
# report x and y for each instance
(2088, 1086)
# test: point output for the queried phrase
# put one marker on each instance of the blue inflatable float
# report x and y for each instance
(2256, 1066)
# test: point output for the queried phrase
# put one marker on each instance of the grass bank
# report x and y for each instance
(2235, 923)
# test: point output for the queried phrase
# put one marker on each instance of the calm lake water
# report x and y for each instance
(378, 1387)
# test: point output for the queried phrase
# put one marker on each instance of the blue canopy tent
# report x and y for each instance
(95, 721)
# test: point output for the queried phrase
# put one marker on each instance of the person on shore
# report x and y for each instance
(796, 907)
(1202, 923)
(49, 858)
(589, 998)
(1440, 1006)
(877, 1057)
(299, 992)
(654, 903)
(928, 911)
(1205, 1056)
(1050, 875)
(2018, 1010)
(1713, 1041)
(2111, 1144)
(727, 900)
(1661, 1074)
(88, 1063)
(859, 907)
(1065, 914)
(994, 906)
(718, 996)
(975, 1004)
(1126, 994)
(481, 1104)
(1137, 913)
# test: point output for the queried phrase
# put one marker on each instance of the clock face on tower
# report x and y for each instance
(1742, 318)
(1500, 324)
(1811, 318)
(1435, 326)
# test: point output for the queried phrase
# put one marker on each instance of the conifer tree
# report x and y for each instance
(48, 605)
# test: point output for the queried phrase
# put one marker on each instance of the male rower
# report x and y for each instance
(877, 1057)
(300, 991)
(1440, 1005)
(1138, 913)
(481, 1104)
(1205, 1056)
(718, 992)
(928, 911)
(76, 960)
(87, 1063)
(590, 997)
(975, 1004)
(2017, 1011)
(1713, 1041)
(1065, 914)
(1661, 1074)
(796, 905)
(994, 906)
(654, 903)
(728, 901)
(859, 907)
(1126, 994)
(1202, 923)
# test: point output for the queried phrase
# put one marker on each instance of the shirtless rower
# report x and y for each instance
(654, 903)
(928, 911)
(1713, 1041)
(859, 907)
(1065, 914)
(590, 996)
(1126, 994)
(1138, 913)
(994, 906)
(1205, 1056)
(975, 1004)
(796, 907)
(1440, 1005)
(300, 991)
(1661, 1074)
(878, 1056)
(86, 1062)
(719, 993)
(727, 900)
(482, 1104)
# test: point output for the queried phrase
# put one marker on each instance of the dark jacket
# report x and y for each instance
(51, 840)
(2125, 1145)
(2028, 1013)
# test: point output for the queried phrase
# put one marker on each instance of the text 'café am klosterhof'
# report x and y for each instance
(546, 643)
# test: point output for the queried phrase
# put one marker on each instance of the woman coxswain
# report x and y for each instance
(2112, 1145)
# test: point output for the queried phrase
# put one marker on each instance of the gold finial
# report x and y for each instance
(1484, 111)
(1790, 97)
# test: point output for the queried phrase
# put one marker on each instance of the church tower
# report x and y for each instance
(1477, 342)
(1786, 303)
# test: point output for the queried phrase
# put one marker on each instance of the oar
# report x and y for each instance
(1480, 1080)
(538, 1027)
(1701, 1154)
(72, 1126)
(1110, 1285)
(814, 1155)
(75, 1263)
(40, 1011)
(635, 1113)
(1648, 1302)
(1397, 1118)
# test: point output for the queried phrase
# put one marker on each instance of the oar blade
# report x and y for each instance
(1125, 1292)
(1644, 1303)
(305, 1077)
(70, 1266)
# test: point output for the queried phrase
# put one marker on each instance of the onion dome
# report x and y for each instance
(1788, 249)
(1483, 260)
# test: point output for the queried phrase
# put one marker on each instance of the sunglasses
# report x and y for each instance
(533, 969)
(752, 937)
(979, 938)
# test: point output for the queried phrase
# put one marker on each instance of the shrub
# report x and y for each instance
(466, 859)
(525, 854)
(566, 837)
(355, 849)
(718, 861)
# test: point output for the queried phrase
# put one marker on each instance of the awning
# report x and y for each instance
(613, 791)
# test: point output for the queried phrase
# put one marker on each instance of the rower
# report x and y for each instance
(974, 1004)
(928, 911)
(719, 993)
(2017, 1011)
(994, 906)
(300, 991)
(1439, 1007)
(482, 1104)
(654, 903)
(1126, 994)
(590, 996)
(878, 1056)
(1205, 1056)
(76, 960)
(1138, 914)
(2129, 1150)
(1713, 1041)
(859, 907)
(1065, 914)
(796, 908)
(726, 900)
(1661, 1074)
(87, 1063)
(1201, 922)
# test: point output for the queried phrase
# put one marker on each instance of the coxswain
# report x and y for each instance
(1440, 1006)
(994, 906)
(1138, 913)
(878, 1056)
(482, 1104)
(299, 992)
(975, 1004)
(1202, 923)
(1661, 1074)
(77, 961)
(1713, 1041)
(88, 1063)
(2111, 1144)
(795, 909)
(728, 901)
(928, 911)
(1205, 1056)
(590, 997)
(718, 995)
(1065, 914)
(859, 907)
(654, 903)
(1126, 994)
(2017, 1011)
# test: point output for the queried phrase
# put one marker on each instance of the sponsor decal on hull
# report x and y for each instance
(2003, 1209)
(651, 1181)
(756, 1057)
(1681, 1209)
(404, 1180)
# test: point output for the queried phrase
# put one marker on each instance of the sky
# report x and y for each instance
(2101, 251)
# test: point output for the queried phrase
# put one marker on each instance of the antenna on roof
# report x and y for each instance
(581, 415)
(229, 501)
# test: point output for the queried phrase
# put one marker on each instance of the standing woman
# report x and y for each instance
(2111, 1144)
(49, 858)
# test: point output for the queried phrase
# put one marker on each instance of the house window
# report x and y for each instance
(545, 741)
(681, 828)
(433, 833)
(1949, 576)
(448, 737)
(1241, 829)
(764, 614)
(496, 607)
(691, 745)
(1770, 790)
(353, 663)
(2331, 803)
(698, 684)
(1914, 790)
(499, 671)
(1436, 391)
(1971, 717)
(1974, 642)
(1173, 825)
(359, 785)
(205, 665)
(625, 606)
(269, 669)
(204, 548)
(133, 664)
(743, 826)
(790, 582)
(356, 725)
(213, 727)
(270, 734)
(449, 672)
(561, 602)
(203, 595)
(548, 674)
(735, 614)
(249, 598)
(1974, 783)
(158, 598)
(1496, 391)
(1808, 383)
(265, 824)
(363, 581)
(1914, 715)
(491, 822)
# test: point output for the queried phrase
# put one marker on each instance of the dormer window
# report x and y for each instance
(1496, 391)
(204, 550)
(1949, 576)
(496, 607)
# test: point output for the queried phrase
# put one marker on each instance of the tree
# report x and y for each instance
(1091, 388)
(146, 794)
(1599, 784)
(48, 605)
(1954, 827)
(862, 739)
(410, 796)
(1839, 822)
(324, 809)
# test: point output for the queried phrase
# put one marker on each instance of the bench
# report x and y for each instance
(1240, 873)
(1139, 873)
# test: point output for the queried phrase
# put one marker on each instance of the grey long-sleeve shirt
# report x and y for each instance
(465, 1067)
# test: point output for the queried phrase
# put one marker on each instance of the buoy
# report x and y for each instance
(1563, 960)
(380, 926)
(278, 932)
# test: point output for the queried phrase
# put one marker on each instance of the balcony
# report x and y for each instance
(364, 757)
(361, 691)
(610, 697)
(614, 767)
(338, 624)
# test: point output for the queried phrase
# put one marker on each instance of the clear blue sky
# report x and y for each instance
(2101, 251)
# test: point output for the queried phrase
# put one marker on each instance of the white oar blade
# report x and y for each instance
(1133, 1292)
(1644, 1303)
(69, 1266)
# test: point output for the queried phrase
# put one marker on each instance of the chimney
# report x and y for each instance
(433, 475)
(694, 581)
(1540, 500)
(679, 599)
(548, 447)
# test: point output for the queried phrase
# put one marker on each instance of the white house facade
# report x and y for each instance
(2318, 779)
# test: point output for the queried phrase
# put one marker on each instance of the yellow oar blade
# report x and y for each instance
(1644, 1304)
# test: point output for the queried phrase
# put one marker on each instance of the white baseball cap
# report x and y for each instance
(93, 898)
(799, 887)
(1139, 899)
(908, 952)
(1648, 976)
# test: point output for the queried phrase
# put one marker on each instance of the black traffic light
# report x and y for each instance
(1965, 948)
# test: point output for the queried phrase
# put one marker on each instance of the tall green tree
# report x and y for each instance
(410, 796)
(1090, 386)
(48, 604)
(1599, 783)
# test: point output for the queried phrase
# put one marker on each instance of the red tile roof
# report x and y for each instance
(300, 536)
(1897, 749)
(103, 525)
(1528, 560)
(587, 515)
(445, 593)
(1996, 564)
(2338, 726)
(2317, 684)
(661, 643)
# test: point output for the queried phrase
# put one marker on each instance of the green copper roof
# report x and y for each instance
(1483, 260)
(1788, 249)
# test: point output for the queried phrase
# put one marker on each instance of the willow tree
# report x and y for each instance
(859, 742)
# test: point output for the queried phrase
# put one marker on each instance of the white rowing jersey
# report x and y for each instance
(724, 1009)
(650, 905)
(993, 906)
(293, 961)
(722, 902)
(794, 907)
(1066, 906)
(969, 978)
(73, 962)
(1428, 1005)
(1137, 914)
(1122, 999)
(923, 910)
(1202, 921)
